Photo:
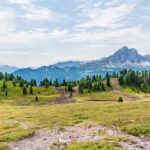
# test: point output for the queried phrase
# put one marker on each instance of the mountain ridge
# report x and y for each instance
(8, 69)
(73, 70)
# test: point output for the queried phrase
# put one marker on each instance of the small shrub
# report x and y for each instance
(120, 99)
(36, 99)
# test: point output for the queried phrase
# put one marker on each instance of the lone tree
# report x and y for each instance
(21, 83)
(36, 99)
(120, 99)
(56, 83)
(4, 85)
(80, 89)
(31, 90)
(108, 80)
(6, 93)
(24, 91)
(14, 83)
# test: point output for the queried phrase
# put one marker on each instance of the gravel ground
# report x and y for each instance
(42, 139)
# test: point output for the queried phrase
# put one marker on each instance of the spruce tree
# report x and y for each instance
(108, 81)
(56, 83)
(6, 93)
(31, 90)
(4, 85)
(24, 91)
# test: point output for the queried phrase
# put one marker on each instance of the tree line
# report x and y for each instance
(140, 80)
(95, 83)
(23, 84)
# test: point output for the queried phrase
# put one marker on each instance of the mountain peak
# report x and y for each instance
(126, 50)
(125, 56)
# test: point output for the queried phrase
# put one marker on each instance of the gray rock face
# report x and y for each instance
(124, 57)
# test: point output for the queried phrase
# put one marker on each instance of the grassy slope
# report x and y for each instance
(99, 96)
(133, 117)
(15, 96)
(122, 116)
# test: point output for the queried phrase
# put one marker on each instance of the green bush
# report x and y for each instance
(120, 99)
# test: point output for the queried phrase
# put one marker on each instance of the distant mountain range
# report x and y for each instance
(8, 69)
(68, 64)
(147, 57)
(72, 70)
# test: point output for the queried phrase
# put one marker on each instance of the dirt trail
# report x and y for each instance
(42, 139)
(64, 98)
(117, 90)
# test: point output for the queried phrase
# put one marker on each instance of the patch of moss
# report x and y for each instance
(3, 147)
(94, 146)
(138, 130)
(12, 136)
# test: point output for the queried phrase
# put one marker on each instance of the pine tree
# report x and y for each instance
(70, 88)
(14, 83)
(31, 90)
(36, 98)
(24, 91)
(21, 83)
(108, 81)
(80, 89)
(1, 76)
(4, 85)
(64, 83)
(56, 83)
(6, 93)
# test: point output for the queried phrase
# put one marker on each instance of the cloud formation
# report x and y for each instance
(88, 29)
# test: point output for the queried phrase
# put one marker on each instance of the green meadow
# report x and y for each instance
(21, 115)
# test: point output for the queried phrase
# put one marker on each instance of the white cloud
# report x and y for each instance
(106, 17)
(93, 29)
(146, 17)
(7, 20)
(146, 8)
(32, 36)
(130, 35)
(113, 2)
(35, 13)
(20, 2)
(39, 14)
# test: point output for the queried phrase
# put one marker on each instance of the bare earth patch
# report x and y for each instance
(55, 139)
(64, 98)
(117, 90)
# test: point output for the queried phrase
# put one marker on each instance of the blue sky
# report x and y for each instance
(42, 32)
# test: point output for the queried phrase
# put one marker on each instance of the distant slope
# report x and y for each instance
(50, 72)
(73, 70)
(68, 64)
(8, 69)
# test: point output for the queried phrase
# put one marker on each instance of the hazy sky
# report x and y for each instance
(42, 32)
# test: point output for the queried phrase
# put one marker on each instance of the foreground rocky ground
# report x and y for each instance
(56, 139)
